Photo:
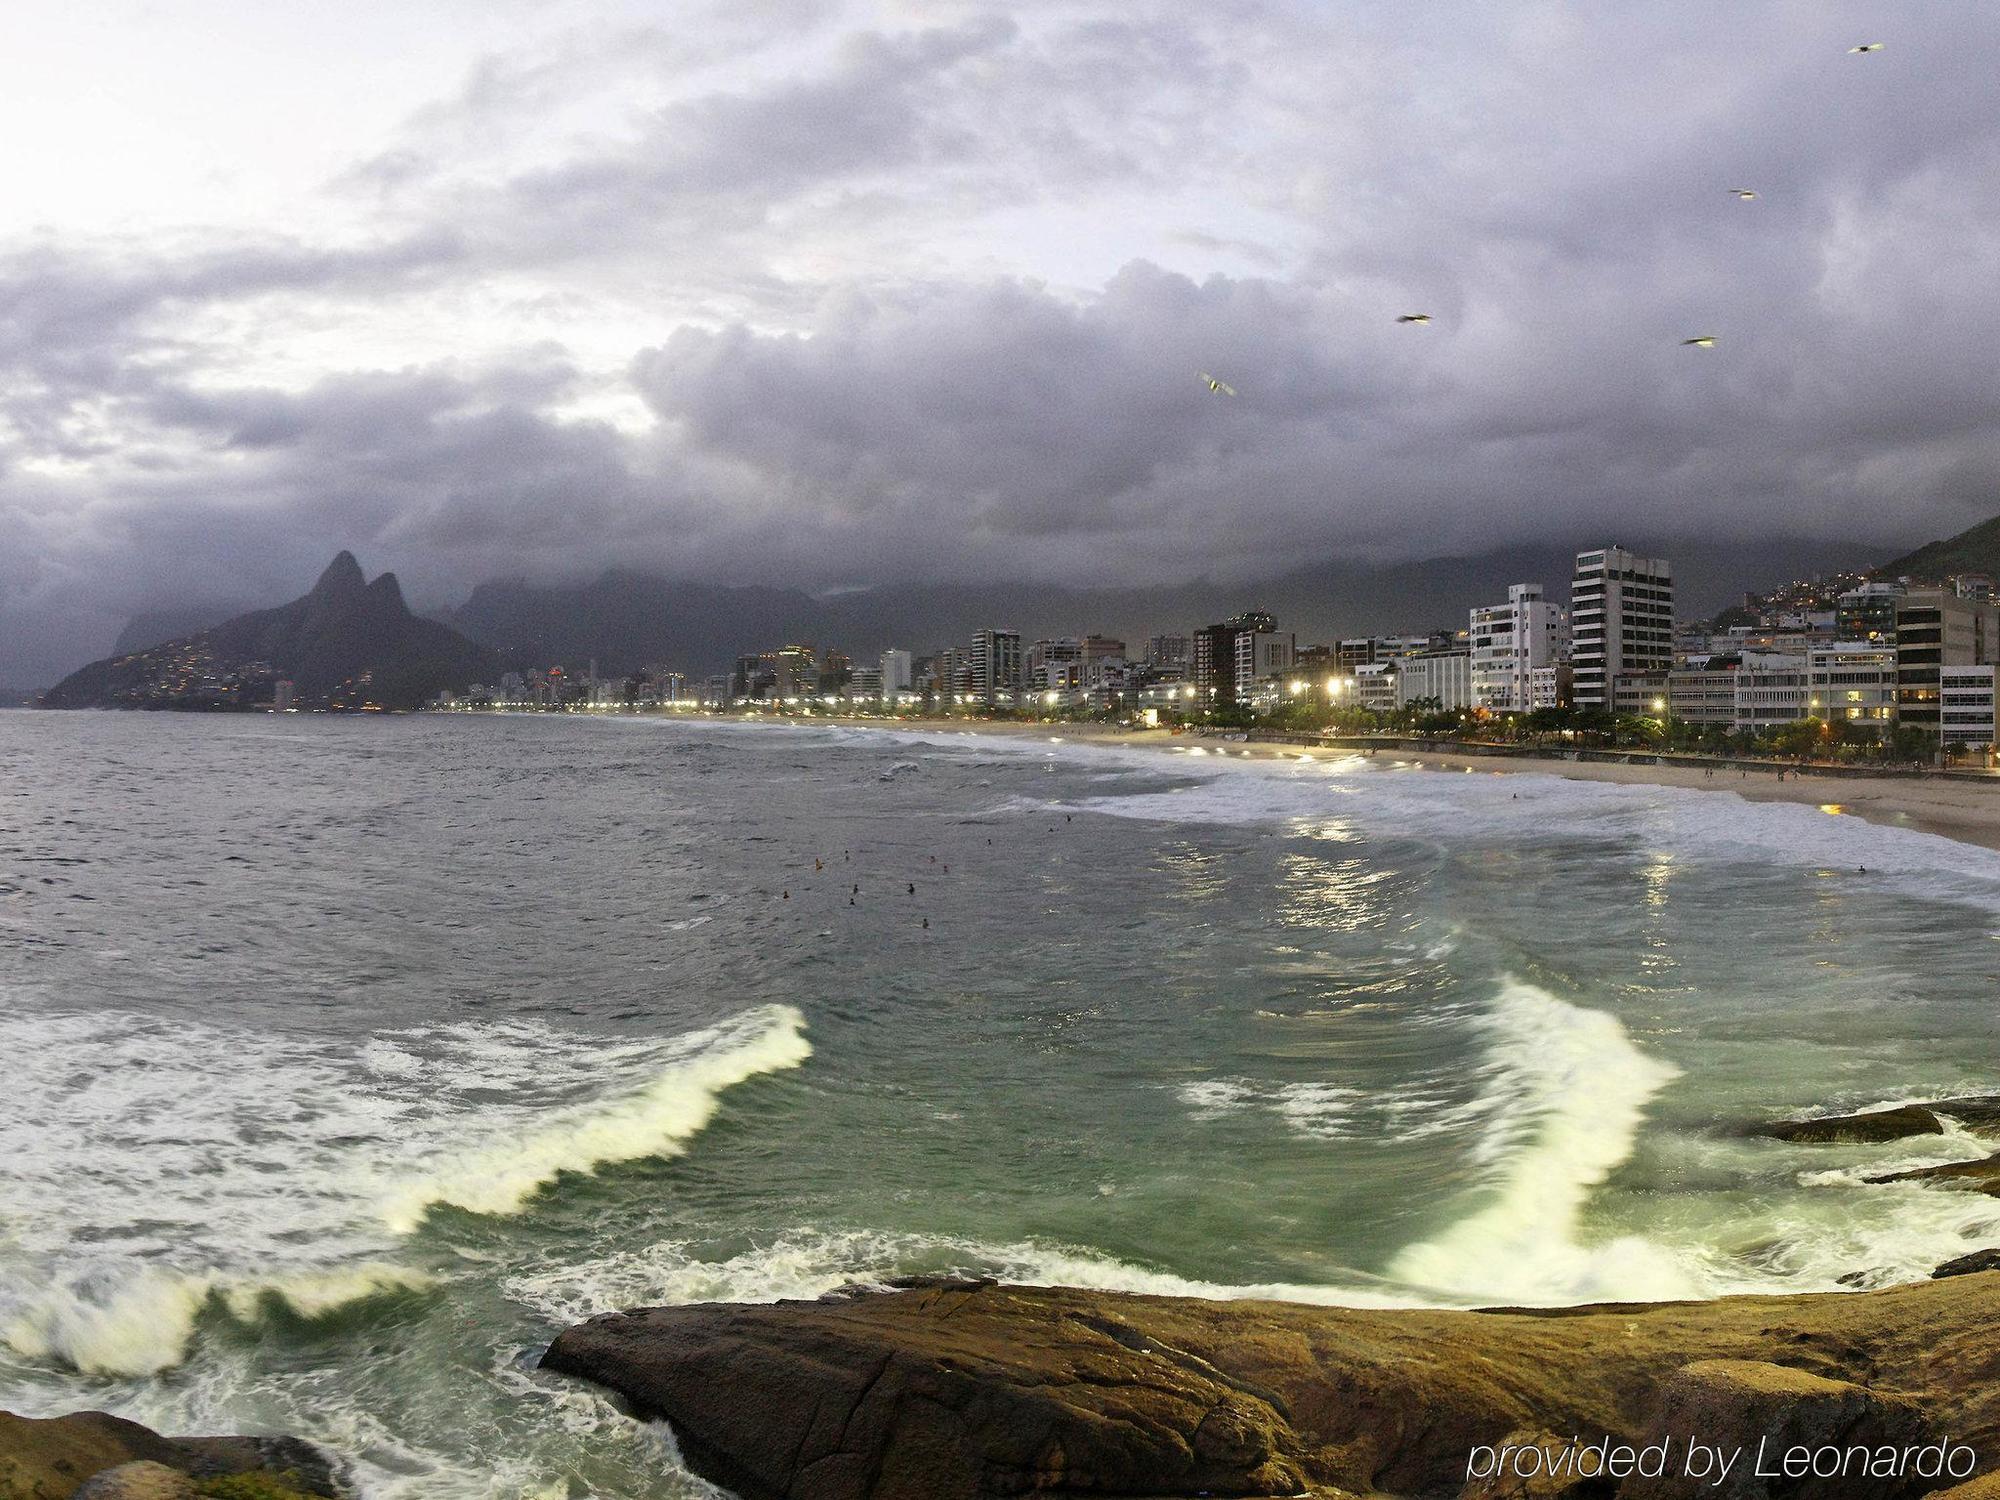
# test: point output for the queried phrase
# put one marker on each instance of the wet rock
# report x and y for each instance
(1980, 1176)
(974, 1391)
(1761, 1411)
(141, 1481)
(1967, 1265)
(1868, 1128)
(48, 1459)
(51, 1459)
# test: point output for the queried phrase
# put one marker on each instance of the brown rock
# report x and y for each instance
(1752, 1408)
(47, 1460)
(1863, 1129)
(140, 1481)
(1984, 1487)
(1532, 1465)
(51, 1459)
(939, 1393)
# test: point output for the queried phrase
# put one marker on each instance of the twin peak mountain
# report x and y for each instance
(347, 644)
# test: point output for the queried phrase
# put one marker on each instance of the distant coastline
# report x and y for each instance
(1961, 807)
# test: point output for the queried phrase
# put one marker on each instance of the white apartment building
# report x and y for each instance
(1548, 687)
(1771, 690)
(1260, 656)
(1443, 677)
(1511, 642)
(895, 673)
(1853, 682)
(1965, 705)
(1704, 691)
(1621, 620)
(1375, 685)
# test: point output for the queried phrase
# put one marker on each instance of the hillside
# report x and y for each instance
(1974, 550)
(348, 643)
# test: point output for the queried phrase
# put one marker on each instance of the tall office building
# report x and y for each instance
(1935, 629)
(1511, 642)
(995, 664)
(895, 672)
(1167, 653)
(1621, 620)
(1215, 653)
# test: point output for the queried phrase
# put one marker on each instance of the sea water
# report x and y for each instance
(347, 1061)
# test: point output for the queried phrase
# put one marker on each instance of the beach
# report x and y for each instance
(1966, 810)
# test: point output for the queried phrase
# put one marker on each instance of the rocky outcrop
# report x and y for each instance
(1981, 1176)
(1967, 1265)
(93, 1455)
(961, 1390)
(1863, 1129)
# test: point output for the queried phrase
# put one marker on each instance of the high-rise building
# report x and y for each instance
(995, 664)
(1965, 705)
(1167, 653)
(1260, 656)
(895, 672)
(1052, 662)
(1215, 654)
(1510, 642)
(1621, 620)
(1938, 628)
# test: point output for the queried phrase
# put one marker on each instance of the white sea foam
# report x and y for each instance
(807, 1262)
(1569, 1092)
(498, 1176)
(161, 1170)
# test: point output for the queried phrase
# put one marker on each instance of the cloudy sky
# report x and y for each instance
(832, 294)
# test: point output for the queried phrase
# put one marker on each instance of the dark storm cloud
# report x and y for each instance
(943, 288)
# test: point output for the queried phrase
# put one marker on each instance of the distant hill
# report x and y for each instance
(1974, 550)
(348, 643)
(628, 620)
(155, 627)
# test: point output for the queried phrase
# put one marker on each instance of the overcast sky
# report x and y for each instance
(832, 294)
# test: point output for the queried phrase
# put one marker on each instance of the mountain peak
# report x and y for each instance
(342, 576)
(387, 594)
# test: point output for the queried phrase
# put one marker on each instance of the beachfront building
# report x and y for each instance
(1771, 690)
(1938, 628)
(1375, 686)
(1551, 687)
(994, 665)
(1853, 682)
(1621, 620)
(1965, 706)
(1168, 653)
(1214, 654)
(1703, 691)
(1510, 641)
(1641, 695)
(1262, 656)
(1438, 679)
(1867, 613)
(896, 673)
(1053, 662)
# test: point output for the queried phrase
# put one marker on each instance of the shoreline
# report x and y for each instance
(1964, 811)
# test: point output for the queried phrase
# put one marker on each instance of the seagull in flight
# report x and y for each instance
(1746, 194)
(1705, 341)
(1220, 388)
(1867, 47)
(1414, 318)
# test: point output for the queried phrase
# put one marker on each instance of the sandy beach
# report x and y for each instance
(1968, 811)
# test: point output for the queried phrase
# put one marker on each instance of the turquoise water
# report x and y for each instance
(352, 1059)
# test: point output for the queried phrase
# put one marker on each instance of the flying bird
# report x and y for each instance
(1867, 47)
(1705, 341)
(1414, 318)
(1746, 194)
(1217, 386)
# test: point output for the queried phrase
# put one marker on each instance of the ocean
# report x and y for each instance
(349, 1060)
